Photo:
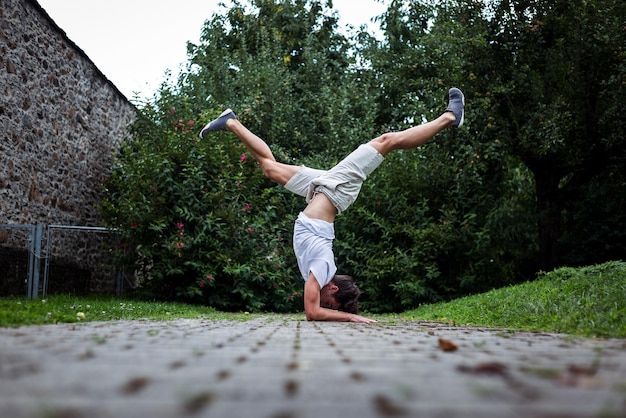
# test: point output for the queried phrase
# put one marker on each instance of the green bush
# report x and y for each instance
(459, 216)
(200, 222)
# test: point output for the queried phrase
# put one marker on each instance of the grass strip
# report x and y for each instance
(587, 301)
(17, 311)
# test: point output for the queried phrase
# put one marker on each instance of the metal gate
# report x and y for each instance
(35, 255)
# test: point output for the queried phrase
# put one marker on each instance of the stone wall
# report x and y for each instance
(60, 122)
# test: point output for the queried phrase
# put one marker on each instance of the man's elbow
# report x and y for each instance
(312, 314)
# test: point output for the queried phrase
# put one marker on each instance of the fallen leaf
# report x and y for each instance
(388, 408)
(491, 367)
(198, 401)
(291, 388)
(135, 385)
(582, 370)
(447, 345)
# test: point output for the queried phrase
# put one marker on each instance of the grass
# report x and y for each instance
(17, 311)
(588, 301)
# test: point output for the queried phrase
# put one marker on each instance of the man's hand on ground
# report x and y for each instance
(362, 319)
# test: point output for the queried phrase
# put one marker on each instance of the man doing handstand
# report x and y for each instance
(327, 295)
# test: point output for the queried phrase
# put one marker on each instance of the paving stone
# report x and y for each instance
(283, 367)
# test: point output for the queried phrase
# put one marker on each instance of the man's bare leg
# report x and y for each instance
(412, 137)
(278, 172)
(419, 135)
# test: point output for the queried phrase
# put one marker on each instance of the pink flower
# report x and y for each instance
(191, 123)
(133, 224)
(180, 245)
(200, 284)
(243, 158)
(250, 230)
(209, 277)
(180, 225)
(247, 208)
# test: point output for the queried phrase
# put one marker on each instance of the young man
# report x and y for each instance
(328, 296)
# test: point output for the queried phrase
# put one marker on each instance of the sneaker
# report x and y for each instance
(218, 124)
(456, 105)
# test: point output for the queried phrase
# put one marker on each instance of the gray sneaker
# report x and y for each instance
(218, 124)
(456, 105)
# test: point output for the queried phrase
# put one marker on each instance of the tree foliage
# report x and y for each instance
(514, 191)
(558, 73)
(454, 216)
(284, 68)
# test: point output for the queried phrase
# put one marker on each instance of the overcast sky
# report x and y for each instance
(134, 42)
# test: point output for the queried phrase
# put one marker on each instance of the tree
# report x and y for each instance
(558, 74)
(284, 66)
(201, 222)
(452, 217)
(482, 207)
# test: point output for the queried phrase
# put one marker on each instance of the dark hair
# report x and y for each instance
(348, 293)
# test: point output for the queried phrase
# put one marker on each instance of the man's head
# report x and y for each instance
(341, 293)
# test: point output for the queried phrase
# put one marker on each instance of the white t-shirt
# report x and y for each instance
(313, 245)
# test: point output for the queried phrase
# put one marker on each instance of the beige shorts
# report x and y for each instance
(342, 183)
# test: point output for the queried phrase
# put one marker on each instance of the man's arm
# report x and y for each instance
(314, 312)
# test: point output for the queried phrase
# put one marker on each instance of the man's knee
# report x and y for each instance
(270, 169)
(278, 172)
(387, 138)
(384, 143)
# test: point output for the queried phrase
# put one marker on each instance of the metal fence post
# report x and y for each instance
(47, 263)
(36, 266)
(31, 257)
